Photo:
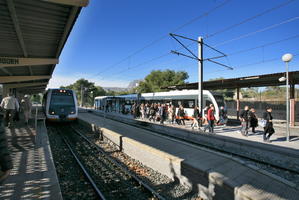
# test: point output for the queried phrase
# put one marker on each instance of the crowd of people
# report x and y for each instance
(168, 113)
(11, 108)
(249, 120)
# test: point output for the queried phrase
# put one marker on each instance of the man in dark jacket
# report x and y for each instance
(269, 125)
(5, 159)
(244, 117)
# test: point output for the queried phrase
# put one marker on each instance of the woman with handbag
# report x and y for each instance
(269, 125)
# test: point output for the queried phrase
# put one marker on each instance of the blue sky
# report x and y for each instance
(103, 42)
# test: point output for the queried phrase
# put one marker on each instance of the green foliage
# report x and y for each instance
(88, 89)
(158, 79)
(250, 92)
(36, 98)
(228, 94)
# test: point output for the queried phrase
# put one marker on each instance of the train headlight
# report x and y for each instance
(52, 112)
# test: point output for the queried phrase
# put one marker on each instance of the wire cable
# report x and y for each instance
(263, 45)
(249, 19)
(257, 31)
(251, 64)
(164, 36)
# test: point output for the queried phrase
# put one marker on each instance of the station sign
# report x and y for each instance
(14, 62)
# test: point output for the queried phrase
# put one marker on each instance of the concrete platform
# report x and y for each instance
(226, 139)
(212, 175)
(34, 175)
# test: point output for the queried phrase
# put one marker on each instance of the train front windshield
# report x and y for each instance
(62, 101)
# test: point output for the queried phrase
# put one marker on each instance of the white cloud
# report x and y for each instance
(59, 80)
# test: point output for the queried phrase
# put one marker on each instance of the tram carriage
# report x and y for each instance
(187, 98)
(60, 105)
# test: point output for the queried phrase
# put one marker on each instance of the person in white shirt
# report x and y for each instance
(10, 106)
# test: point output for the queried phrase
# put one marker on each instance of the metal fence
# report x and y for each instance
(279, 108)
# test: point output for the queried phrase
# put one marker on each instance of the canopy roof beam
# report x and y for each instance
(78, 3)
(12, 79)
(24, 85)
(13, 15)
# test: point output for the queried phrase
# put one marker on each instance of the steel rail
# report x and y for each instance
(119, 165)
(98, 192)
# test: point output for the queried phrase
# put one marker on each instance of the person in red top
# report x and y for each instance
(211, 119)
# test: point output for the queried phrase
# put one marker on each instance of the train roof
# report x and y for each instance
(160, 94)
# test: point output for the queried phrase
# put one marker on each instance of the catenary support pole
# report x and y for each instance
(200, 74)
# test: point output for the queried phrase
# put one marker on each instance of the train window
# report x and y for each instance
(188, 103)
(65, 100)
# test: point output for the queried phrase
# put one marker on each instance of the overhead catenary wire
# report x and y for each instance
(249, 19)
(263, 45)
(165, 36)
(225, 42)
(251, 64)
(257, 31)
(227, 28)
(228, 54)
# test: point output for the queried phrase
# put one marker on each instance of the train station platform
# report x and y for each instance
(233, 131)
(212, 175)
(33, 175)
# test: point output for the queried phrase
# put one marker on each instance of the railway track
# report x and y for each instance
(283, 174)
(109, 179)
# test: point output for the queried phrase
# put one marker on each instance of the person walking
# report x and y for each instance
(10, 106)
(152, 113)
(5, 159)
(181, 115)
(170, 114)
(26, 106)
(244, 117)
(162, 113)
(142, 111)
(196, 117)
(211, 119)
(222, 116)
(253, 121)
(269, 125)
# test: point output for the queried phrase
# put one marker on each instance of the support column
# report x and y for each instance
(292, 105)
(200, 74)
(238, 103)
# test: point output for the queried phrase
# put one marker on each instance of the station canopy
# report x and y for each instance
(32, 36)
(243, 82)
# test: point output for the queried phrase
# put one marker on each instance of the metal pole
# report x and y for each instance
(200, 74)
(288, 103)
(81, 96)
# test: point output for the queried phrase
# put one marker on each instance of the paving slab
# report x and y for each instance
(33, 175)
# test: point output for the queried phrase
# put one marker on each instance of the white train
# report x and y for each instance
(60, 105)
(187, 98)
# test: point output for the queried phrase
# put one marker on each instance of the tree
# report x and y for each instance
(89, 91)
(250, 92)
(228, 94)
(158, 79)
